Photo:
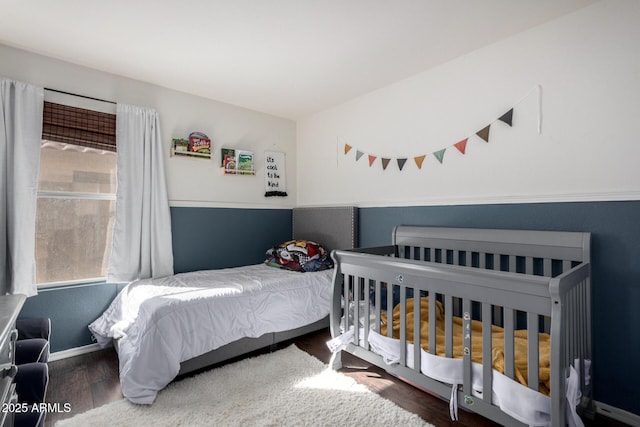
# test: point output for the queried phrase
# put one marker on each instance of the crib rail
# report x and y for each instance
(525, 244)
(504, 284)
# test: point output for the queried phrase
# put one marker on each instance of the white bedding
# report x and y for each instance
(162, 322)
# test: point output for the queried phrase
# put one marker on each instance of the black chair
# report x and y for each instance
(32, 378)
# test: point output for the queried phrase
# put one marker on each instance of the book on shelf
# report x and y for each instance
(237, 162)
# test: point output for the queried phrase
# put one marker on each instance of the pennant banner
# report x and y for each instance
(484, 133)
(507, 117)
(461, 146)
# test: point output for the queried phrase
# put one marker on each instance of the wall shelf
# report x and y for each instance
(177, 153)
(224, 171)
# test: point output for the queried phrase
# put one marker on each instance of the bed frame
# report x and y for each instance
(516, 279)
(334, 228)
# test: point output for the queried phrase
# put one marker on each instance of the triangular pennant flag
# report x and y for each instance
(372, 159)
(440, 154)
(419, 160)
(401, 163)
(347, 148)
(359, 154)
(484, 133)
(461, 145)
(507, 117)
(385, 163)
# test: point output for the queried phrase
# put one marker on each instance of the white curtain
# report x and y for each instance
(20, 135)
(142, 229)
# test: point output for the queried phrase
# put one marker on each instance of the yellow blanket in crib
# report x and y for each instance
(497, 348)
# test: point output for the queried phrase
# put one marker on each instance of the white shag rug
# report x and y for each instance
(285, 388)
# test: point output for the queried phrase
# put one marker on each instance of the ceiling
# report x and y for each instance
(288, 58)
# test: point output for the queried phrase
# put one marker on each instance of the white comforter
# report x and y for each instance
(162, 322)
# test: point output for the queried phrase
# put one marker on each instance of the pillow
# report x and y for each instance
(299, 255)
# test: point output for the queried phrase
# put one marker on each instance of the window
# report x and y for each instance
(76, 194)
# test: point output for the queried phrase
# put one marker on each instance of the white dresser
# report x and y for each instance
(10, 306)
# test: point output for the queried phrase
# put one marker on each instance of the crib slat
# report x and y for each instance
(573, 308)
(487, 371)
(346, 289)
(512, 263)
(432, 323)
(584, 320)
(528, 265)
(581, 320)
(367, 313)
(378, 308)
(403, 326)
(572, 326)
(533, 346)
(467, 350)
(417, 344)
(547, 267)
(401, 251)
(390, 310)
(448, 325)
(577, 322)
(509, 353)
(356, 310)
(586, 304)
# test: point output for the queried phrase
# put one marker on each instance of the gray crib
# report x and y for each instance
(514, 279)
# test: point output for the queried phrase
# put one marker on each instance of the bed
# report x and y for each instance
(182, 323)
(438, 302)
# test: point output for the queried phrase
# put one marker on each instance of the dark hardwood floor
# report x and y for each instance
(91, 380)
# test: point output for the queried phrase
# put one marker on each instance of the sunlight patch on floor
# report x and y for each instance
(330, 380)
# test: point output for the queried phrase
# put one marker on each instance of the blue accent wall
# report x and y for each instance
(71, 309)
(615, 243)
(209, 238)
(203, 238)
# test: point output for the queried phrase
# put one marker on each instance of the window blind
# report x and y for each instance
(79, 126)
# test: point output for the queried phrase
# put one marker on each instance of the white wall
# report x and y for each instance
(191, 182)
(588, 65)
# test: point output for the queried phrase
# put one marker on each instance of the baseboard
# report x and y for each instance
(617, 414)
(71, 352)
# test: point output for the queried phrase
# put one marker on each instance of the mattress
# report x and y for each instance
(476, 337)
(160, 323)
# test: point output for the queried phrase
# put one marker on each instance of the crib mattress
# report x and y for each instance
(497, 345)
(160, 323)
(511, 396)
